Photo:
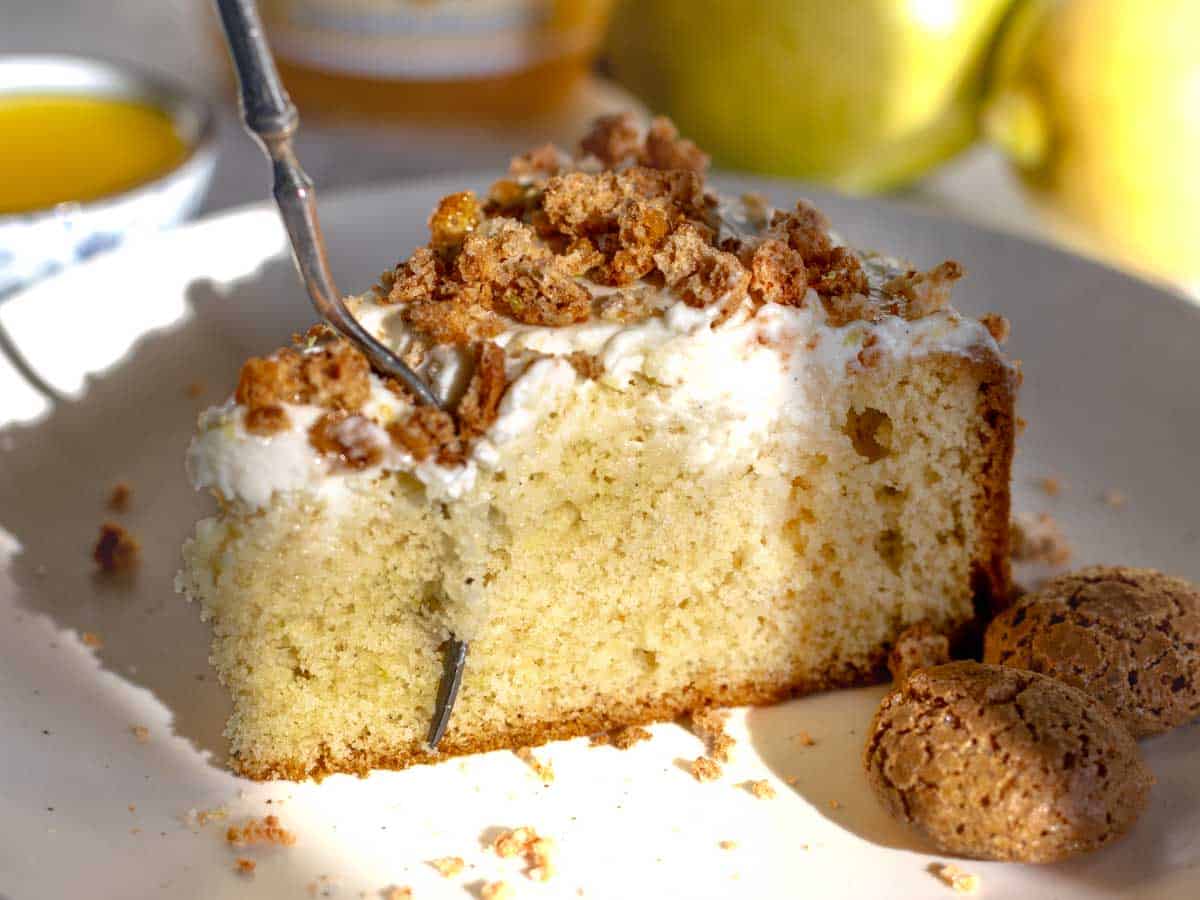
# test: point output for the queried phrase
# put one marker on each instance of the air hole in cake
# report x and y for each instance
(649, 659)
(890, 547)
(870, 431)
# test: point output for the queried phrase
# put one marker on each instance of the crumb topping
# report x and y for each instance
(244, 866)
(346, 438)
(997, 325)
(334, 376)
(632, 205)
(563, 240)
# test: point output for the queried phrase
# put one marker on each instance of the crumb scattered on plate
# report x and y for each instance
(116, 549)
(704, 769)
(1113, 498)
(1050, 485)
(493, 890)
(728, 845)
(525, 842)
(1039, 539)
(119, 496)
(448, 866)
(266, 830)
(762, 789)
(91, 639)
(954, 877)
(140, 733)
(244, 866)
(804, 739)
(200, 817)
(708, 724)
(543, 770)
(396, 893)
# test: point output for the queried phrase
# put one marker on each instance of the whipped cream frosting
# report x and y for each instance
(762, 371)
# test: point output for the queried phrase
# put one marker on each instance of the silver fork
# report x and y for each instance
(271, 118)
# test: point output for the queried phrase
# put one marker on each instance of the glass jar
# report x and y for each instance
(433, 59)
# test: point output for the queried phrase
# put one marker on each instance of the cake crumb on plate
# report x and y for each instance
(448, 866)
(762, 789)
(141, 734)
(396, 893)
(727, 845)
(954, 877)
(704, 769)
(543, 770)
(496, 890)
(116, 549)
(1039, 539)
(1050, 485)
(119, 496)
(1113, 498)
(708, 724)
(91, 639)
(526, 842)
(260, 831)
(244, 866)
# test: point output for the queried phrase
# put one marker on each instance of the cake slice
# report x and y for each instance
(696, 452)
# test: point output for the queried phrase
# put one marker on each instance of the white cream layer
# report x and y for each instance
(760, 372)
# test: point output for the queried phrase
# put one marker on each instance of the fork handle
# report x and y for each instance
(271, 118)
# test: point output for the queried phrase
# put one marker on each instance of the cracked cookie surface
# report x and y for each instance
(998, 763)
(1129, 637)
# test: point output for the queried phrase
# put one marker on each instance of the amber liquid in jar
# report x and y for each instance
(497, 60)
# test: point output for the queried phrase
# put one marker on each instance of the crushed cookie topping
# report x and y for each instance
(347, 438)
(480, 405)
(427, 432)
(629, 212)
(924, 293)
(335, 376)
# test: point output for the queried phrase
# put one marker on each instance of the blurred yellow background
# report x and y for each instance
(1076, 120)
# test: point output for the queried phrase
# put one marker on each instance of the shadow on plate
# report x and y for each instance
(829, 775)
(132, 423)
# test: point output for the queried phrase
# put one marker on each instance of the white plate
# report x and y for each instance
(1111, 399)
